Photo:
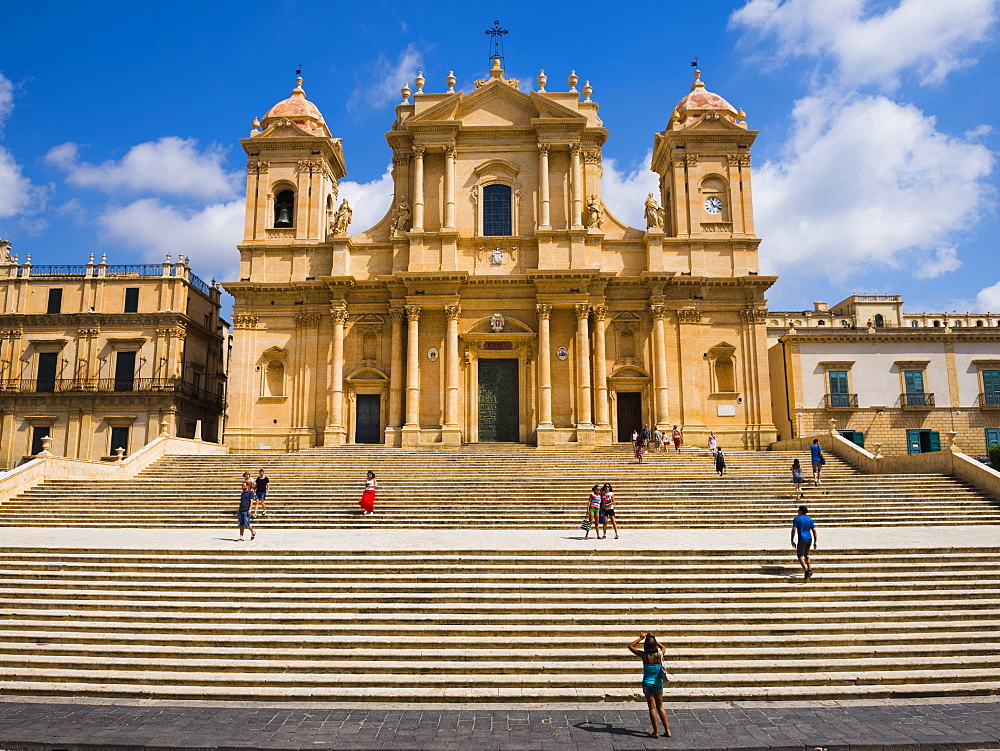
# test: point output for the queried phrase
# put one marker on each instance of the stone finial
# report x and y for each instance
(168, 258)
(450, 81)
(542, 80)
(405, 91)
(255, 126)
(573, 80)
(27, 261)
(104, 259)
(698, 83)
(298, 90)
(496, 72)
(164, 429)
(587, 91)
(675, 117)
(120, 452)
(952, 435)
(741, 116)
(419, 82)
(877, 453)
(833, 425)
(46, 446)
(91, 258)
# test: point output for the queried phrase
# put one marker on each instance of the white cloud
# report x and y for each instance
(930, 37)
(989, 299)
(369, 201)
(624, 191)
(169, 165)
(867, 181)
(379, 85)
(6, 99)
(208, 235)
(18, 195)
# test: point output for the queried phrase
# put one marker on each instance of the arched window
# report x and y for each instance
(725, 375)
(284, 209)
(274, 379)
(497, 215)
(821, 323)
(844, 323)
(879, 321)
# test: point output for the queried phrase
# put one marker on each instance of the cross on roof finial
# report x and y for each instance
(496, 35)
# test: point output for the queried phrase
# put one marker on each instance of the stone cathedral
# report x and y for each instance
(498, 299)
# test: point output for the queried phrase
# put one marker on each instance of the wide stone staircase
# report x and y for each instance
(494, 485)
(519, 626)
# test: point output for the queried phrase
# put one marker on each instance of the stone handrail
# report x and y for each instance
(44, 468)
(950, 461)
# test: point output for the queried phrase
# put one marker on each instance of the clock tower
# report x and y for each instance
(703, 159)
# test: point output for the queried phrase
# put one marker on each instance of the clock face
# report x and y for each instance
(713, 205)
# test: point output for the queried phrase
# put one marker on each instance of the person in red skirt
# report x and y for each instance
(367, 502)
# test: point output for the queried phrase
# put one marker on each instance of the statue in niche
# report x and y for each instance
(595, 214)
(5, 252)
(342, 219)
(402, 222)
(654, 214)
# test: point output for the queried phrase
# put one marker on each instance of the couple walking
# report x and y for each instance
(600, 508)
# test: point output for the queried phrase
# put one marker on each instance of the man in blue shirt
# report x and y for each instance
(806, 528)
(816, 453)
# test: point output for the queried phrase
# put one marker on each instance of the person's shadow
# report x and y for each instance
(607, 727)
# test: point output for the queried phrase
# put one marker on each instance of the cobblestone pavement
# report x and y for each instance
(832, 726)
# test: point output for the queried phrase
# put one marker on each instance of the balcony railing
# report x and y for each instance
(108, 385)
(840, 401)
(989, 401)
(134, 270)
(916, 401)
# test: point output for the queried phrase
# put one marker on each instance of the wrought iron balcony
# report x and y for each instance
(989, 401)
(916, 401)
(108, 385)
(840, 401)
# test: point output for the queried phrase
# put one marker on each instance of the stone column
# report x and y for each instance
(395, 376)
(576, 176)
(545, 434)
(449, 187)
(584, 419)
(544, 221)
(660, 365)
(600, 369)
(335, 423)
(418, 189)
(451, 435)
(412, 425)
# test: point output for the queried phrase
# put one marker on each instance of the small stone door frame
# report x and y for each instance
(366, 381)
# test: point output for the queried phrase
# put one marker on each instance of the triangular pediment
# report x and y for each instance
(284, 128)
(497, 104)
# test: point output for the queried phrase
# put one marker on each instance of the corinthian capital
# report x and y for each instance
(543, 310)
(413, 312)
(453, 312)
(339, 315)
(658, 312)
(582, 310)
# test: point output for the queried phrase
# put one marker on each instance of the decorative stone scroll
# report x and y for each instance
(241, 321)
(753, 315)
(739, 160)
(257, 167)
(689, 315)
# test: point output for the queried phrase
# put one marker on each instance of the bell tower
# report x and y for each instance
(703, 159)
(293, 165)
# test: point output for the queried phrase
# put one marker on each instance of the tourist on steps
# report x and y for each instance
(797, 478)
(657, 440)
(653, 675)
(675, 436)
(816, 453)
(244, 515)
(367, 502)
(806, 528)
(712, 442)
(593, 511)
(260, 491)
(608, 509)
(720, 461)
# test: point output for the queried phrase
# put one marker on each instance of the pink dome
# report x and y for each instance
(300, 111)
(701, 100)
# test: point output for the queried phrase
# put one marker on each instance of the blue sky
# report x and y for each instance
(875, 169)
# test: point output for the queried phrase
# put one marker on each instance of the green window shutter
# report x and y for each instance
(992, 437)
(991, 382)
(935, 440)
(914, 380)
(859, 438)
(913, 441)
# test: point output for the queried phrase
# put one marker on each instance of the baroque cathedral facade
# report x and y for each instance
(498, 299)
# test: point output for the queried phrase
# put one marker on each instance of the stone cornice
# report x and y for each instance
(864, 335)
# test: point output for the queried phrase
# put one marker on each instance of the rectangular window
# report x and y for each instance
(497, 219)
(991, 388)
(839, 395)
(856, 436)
(55, 301)
(125, 371)
(37, 434)
(48, 363)
(992, 438)
(913, 381)
(131, 299)
(923, 441)
(119, 440)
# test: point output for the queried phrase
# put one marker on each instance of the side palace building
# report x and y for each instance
(498, 299)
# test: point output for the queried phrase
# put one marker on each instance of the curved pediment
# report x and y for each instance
(630, 371)
(367, 374)
(497, 167)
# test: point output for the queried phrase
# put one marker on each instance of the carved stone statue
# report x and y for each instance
(595, 214)
(402, 222)
(342, 219)
(654, 214)
(5, 252)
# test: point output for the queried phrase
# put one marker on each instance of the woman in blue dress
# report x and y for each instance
(651, 655)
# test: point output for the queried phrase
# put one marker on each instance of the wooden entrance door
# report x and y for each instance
(368, 423)
(499, 413)
(629, 414)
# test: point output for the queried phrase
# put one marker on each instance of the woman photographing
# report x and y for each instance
(653, 674)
